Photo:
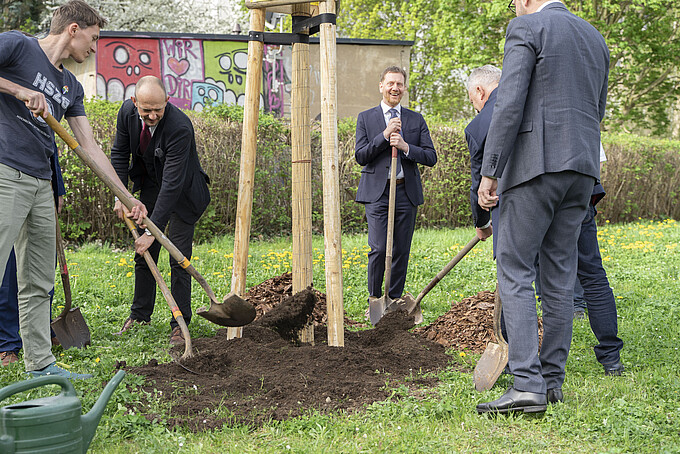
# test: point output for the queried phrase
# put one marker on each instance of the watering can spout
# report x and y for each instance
(90, 421)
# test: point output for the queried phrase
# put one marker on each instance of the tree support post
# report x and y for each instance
(248, 155)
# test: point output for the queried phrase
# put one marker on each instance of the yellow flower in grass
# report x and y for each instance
(129, 273)
(97, 360)
(462, 354)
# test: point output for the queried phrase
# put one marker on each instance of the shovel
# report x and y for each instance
(377, 306)
(490, 366)
(411, 305)
(233, 311)
(188, 351)
(70, 326)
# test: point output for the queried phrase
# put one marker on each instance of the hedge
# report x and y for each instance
(641, 177)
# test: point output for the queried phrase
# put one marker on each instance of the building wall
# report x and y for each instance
(199, 70)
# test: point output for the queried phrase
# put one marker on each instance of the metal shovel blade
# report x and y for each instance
(412, 307)
(377, 308)
(490, 366)
(234, 311)
(71, 329)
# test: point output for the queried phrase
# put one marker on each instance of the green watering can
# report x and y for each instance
(51, 424)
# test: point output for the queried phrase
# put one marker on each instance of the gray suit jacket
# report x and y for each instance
(551, 99)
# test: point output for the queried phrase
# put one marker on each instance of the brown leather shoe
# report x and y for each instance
(8, 358)
(176, 337)
(129, 323)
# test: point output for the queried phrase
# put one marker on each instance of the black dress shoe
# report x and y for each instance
(554, 395)
(613, 369)
(514, 400)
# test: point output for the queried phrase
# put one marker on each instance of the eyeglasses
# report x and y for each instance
(511, 6)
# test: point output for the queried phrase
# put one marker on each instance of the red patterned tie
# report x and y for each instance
(144, 138)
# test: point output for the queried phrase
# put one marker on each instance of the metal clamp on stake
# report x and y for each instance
(283, 38)
(312, 24)
(256, 36)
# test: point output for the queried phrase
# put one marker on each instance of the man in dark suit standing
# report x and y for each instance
(378, 130)
(542, 154)
(155, 148)
(481, 87)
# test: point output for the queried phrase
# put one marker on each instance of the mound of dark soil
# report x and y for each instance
(273, 291)
(264, 376)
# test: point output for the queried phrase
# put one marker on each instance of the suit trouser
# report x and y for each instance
(404, 224)
(9, 308)
(540, 217)
(592, 281)
(10, 340)
(597, 293)
(27, 223)
(181, 234)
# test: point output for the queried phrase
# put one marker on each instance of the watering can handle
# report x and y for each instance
(66, 386)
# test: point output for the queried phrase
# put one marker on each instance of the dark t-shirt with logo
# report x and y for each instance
(26, 142)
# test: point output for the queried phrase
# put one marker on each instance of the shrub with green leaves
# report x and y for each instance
(641, 177)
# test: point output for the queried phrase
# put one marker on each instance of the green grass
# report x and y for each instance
(637, 412)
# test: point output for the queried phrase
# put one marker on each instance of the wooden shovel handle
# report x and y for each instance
(156, 273)
(63, 269)
(172, 304)
(454, 261)
(118, 192)
(391, 208)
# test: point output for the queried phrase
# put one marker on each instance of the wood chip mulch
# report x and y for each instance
(468, 326)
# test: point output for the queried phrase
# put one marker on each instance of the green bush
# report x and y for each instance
(641, 178)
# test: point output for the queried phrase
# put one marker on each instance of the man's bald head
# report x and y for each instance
(150, 99)
(150, 84)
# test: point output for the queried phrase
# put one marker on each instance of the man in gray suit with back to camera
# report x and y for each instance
(542, 154)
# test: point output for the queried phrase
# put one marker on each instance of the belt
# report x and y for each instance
(398, 181)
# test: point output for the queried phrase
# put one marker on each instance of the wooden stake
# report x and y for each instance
(302, 170)
(331, 180)
(248, 154)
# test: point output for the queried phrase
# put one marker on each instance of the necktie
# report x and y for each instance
(144, 138)
(394, 114)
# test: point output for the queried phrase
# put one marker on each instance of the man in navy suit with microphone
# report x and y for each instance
(378, 130)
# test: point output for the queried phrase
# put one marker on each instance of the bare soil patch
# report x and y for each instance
(268, 375)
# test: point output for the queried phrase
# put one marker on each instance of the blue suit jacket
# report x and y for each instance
(551, 99)
(374, 153)
(475, 134)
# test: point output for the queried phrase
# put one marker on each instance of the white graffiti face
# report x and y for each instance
(233, 64)
(129, 59)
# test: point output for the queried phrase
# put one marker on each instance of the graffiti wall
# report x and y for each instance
(196, 73)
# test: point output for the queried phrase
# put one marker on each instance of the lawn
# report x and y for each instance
(637, 412)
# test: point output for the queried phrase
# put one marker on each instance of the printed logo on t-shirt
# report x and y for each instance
(50, 90)
(64, 89)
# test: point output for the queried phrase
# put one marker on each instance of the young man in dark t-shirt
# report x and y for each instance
(33, 82)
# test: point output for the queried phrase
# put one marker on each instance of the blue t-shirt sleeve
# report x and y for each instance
(11, 45)
(76, 108)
